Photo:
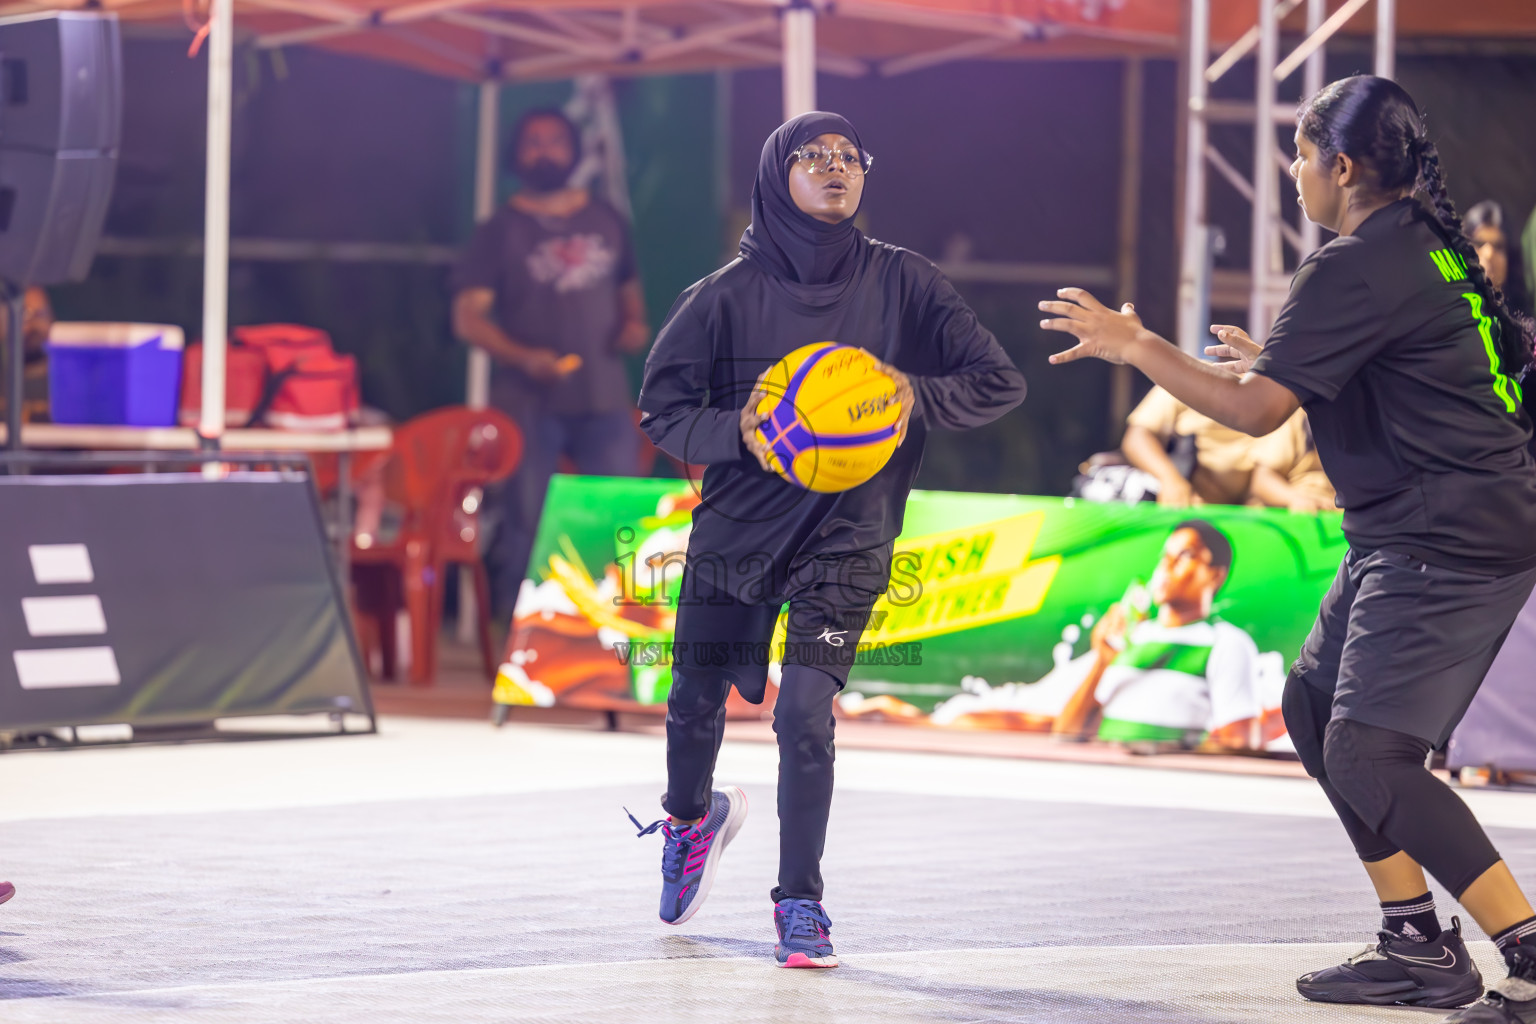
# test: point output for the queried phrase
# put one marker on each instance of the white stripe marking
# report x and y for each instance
(64, 616)
(61, 563)
(69, 666)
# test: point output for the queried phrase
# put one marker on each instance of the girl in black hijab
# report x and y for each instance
(806, 274)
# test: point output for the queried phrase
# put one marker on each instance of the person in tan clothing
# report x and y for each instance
(1287, 472)
(1280, 470)
(1222, 462)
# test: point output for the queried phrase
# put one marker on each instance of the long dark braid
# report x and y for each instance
(1516, 331)
(1376, 123)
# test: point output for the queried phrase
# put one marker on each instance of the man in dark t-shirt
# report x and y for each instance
(548, 288)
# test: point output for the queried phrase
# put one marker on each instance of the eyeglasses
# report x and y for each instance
(816, 160)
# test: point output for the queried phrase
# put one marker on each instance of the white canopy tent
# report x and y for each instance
(499, 41)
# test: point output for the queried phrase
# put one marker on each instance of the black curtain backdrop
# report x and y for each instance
(1012, 161)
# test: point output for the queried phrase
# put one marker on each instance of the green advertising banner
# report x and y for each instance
(1132, 624)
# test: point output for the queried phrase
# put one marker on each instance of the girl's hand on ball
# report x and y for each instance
(751, 419)
(1235, 351)
(1101, 332)
(905, 397)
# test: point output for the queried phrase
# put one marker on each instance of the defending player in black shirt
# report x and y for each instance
(1409, 366)
(805, 275)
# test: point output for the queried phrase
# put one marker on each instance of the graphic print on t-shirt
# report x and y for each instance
(572, 262)
(1454, 269)
(1171, 681)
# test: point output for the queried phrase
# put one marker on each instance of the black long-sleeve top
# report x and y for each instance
(770, 536)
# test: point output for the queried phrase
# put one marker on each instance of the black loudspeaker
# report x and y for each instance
(61, 117)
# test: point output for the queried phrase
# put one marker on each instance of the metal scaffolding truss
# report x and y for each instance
(1268, 276)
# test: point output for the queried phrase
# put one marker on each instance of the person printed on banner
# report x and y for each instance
(1287, 472)
(805, 275)
(1409, 364)
(548, 287)
(37, 322)
(1177, 678)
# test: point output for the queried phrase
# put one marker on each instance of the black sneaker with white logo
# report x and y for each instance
(1510, 1001)
(1439, 973)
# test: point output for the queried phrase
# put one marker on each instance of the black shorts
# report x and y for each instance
(718, 635)
(1404, 645)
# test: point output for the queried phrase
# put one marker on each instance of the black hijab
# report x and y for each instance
(782, 239)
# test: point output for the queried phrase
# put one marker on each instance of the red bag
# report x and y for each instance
(245, 381)
(308, 385)
(315, 392)
(282, 344)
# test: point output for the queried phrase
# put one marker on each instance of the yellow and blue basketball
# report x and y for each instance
(832, 417)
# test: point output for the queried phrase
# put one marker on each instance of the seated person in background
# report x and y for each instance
(1492, 234)
(1222, 465)
(1287, 472)
(1280, 470)
(36, 323)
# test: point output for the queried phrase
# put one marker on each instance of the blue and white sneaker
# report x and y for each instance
(689, 856)
(803, 940)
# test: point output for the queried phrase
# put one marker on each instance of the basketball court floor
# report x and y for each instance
(445, 871)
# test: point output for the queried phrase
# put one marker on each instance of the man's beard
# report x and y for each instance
(545, 175)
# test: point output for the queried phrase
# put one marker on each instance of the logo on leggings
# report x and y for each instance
(831, 637)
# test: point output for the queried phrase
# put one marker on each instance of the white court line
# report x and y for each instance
(64, 616)
(60, 563)
(1251, 981)
(860, 959)
(427, 759)
(60, 667)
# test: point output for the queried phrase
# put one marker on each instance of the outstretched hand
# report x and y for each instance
(1234, 351)
(1101, 332)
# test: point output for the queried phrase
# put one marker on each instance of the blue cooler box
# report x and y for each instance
(119, 374)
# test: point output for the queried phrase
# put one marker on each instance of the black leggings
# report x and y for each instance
(1387, 799)
(802, 720)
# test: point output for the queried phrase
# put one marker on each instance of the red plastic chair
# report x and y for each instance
(437, 470)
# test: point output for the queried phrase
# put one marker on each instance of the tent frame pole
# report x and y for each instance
(799, 58)
(477, 388)
(477, 385)
(216, 218)
(1386, 38)
(1312, 76)
(1194, 263)
(1129, 223)
(1263, 253)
